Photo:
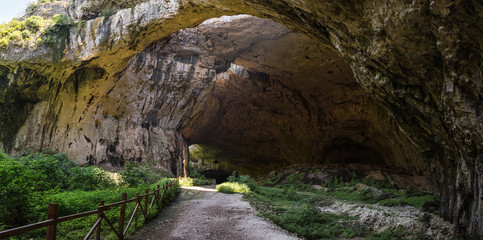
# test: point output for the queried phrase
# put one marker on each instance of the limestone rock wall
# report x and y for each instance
(134, 115)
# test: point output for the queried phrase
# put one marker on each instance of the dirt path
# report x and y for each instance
(203, 213)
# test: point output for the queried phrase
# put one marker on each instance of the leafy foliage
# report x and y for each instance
(135, 174)
(26, 178)
(17, 31)
(31, 181)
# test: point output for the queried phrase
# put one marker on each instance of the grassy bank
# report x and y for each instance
(291, 202)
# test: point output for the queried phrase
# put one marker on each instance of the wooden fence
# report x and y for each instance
(143, 204)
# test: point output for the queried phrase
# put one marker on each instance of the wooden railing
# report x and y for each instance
(143, 204)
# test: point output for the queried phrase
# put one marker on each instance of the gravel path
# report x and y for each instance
(203, 213)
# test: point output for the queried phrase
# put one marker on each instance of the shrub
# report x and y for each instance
(34, 23)
(186, 182)
(134, 174)
(15, 191)
(195, 174)
(89, 178)
(244, 179)
(20, 31)
(200, 182)
(232, 187)
(15, 35)
(50, 171)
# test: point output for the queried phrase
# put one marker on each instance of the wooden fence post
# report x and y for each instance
(52, 213)
(136, 216)
(122, 215)
(99, 215)
(146, 202)
(157, 192)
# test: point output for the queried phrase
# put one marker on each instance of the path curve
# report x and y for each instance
(201, 213)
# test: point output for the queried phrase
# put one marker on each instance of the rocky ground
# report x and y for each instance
(379, 218)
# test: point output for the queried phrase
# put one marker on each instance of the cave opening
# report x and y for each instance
(280, 98)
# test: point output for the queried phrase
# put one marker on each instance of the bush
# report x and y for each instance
(135, 174)
(232, 177)
(195, 174)
(232, 187)
(200, 182)
(25, 179)
(186, 182)
(244, 179)
(89, 178)
(20, 31)
(15, 191)
(34, 23)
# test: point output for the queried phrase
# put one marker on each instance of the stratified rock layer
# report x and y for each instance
(128, 90)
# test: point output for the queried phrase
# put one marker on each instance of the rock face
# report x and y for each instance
(396, 84)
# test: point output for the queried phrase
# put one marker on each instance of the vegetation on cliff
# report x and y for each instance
(23, 31)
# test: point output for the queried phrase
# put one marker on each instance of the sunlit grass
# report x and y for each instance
(188, 182)
(233, 187)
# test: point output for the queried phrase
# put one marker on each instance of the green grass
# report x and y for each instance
(346, 190)
(419, 201)
(395, 234)
(233, 187)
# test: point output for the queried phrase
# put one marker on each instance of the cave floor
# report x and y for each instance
(203, 213)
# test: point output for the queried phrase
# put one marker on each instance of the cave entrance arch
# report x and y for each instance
(279, 98)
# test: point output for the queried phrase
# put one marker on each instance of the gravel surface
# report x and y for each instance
(203, 213)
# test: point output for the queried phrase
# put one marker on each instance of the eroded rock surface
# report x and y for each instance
(128, 90)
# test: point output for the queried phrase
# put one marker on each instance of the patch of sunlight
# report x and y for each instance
(197, 188)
